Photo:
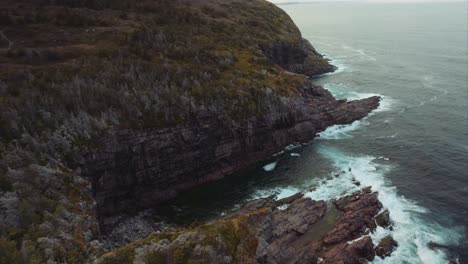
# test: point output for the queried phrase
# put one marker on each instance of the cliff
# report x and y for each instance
(112, 106)
(138, 169)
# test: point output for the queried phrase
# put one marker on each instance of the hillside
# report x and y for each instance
(113, 106)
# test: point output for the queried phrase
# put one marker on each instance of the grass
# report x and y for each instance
(223, 236)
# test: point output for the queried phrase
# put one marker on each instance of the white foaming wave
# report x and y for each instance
(341, 131)
(344, 131)
(279, 192)
(384, 106)
(338, 63)
(270, 166)
(293, 146)
(338, 90)
(411, 230)
(341, 91)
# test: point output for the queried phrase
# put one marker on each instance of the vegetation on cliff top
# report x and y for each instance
(226, 241)
(72, 71)
(77, 68)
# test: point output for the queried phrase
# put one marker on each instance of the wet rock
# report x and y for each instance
(383, 219)
(289, 199)
(358, 211)
(359, 251)
(287, 236)
(267, 202)
(386, 247)
(433, 246)
(356, 182)
(304, 232)
(297, 217)
(451, 251)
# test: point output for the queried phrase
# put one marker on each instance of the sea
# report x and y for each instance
(413, 149)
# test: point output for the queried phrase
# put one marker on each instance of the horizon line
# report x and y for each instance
(286, 2)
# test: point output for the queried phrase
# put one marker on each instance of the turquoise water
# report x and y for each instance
(413, 149)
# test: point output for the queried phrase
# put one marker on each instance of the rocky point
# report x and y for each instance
(296, 229)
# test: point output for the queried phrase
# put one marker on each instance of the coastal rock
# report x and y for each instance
(122, 105)
(261, 232)
(139, 169)
(383, 219)
(288, 200)
(123, 229)
(299, 58)
(385, 247)
(281, 234)
(358, 212)
(360, 251)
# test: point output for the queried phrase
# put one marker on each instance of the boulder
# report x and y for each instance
(383, 219)
(386, 247)
(359, 251)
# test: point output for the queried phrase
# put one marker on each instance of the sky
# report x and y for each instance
(301, 1)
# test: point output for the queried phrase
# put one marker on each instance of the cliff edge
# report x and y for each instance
(114, 106)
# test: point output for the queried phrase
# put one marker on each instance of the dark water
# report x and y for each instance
(413, 149)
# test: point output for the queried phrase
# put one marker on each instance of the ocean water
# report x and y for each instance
(413, 150)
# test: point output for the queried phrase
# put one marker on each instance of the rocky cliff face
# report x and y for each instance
(138, 169)
(142, 100)
(299, 57)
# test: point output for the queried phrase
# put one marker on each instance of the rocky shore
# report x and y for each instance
(296, 229)
(139, 169)
(111, 107)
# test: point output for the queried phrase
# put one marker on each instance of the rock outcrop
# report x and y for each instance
(386, 247)
(383, 219)
(141, 100)
(300, 58)
(138, 169)
(293, 230)
(359, 211)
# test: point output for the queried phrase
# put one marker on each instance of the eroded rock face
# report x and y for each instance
(359, 251)
(359, 210)
(290, 235)
(300, 58)
(280, 233)
(139, 169)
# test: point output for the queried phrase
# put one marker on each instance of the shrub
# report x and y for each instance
(8, 252)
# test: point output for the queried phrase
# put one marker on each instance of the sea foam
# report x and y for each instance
(411, 230)
(345, 131)
(270, 166)
(338, 63)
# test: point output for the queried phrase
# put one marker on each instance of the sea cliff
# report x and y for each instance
(115, 106)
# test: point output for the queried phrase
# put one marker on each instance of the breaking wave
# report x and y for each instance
(410, 230)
